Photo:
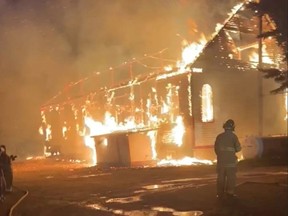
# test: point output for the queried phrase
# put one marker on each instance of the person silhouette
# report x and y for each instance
(226, 145)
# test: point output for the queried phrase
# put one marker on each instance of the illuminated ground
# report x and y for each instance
(63, 188)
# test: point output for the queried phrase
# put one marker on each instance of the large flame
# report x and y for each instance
(97, 128)
(184, 161)
(178, 131)
(191, 51)
(155, 112)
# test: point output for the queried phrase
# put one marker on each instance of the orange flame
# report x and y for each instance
(254, 58)
(184, 161)
(190, 52)
(178, 131)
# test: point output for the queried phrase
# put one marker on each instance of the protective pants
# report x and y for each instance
(8, 173)
(2, 184)
(226, 180)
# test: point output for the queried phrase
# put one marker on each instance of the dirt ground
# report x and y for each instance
(57, 188)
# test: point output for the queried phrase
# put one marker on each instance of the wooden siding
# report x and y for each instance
(235, 96)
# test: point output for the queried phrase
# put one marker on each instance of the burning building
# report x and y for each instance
(161, 114)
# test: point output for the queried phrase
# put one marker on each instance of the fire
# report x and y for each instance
(154, 109)
(191, 51)
(97, 128)
(64, 130)
(178, 131)
(254, 58)
(48, 132)
(110, 125)
(152, 135)
(45, 129)
(157, 110)
(89, 142)
(168, 68)
(184, 161)
(218, 27)
(168, 107)
(233, 11)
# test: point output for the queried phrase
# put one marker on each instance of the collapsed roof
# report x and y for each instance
(230, 43)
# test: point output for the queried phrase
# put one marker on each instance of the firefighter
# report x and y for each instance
(2, 179)
(226, 146)
(6, 162)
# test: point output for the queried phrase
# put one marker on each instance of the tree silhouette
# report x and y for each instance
(277, 11)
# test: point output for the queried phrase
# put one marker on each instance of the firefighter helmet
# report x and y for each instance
(229, 125)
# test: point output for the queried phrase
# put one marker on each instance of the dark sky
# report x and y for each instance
(45, 44)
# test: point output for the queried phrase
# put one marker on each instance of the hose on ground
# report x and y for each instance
(17, 203)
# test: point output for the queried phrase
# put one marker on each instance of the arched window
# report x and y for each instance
(207, 103)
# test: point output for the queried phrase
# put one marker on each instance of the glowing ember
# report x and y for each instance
(184, 161)
(64, 131)
(197, 70)
(152, 136)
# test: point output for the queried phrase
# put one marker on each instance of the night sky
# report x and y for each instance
(46, 44)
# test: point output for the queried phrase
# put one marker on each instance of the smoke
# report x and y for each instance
(45, 45)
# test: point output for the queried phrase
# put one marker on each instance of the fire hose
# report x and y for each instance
(17, 203)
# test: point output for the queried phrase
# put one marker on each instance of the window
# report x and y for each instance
(286, 104)
(207, 103)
